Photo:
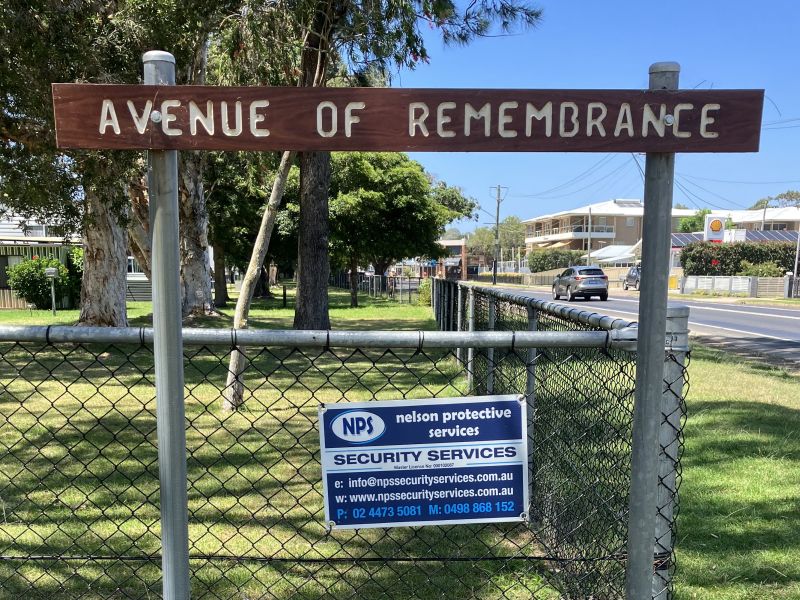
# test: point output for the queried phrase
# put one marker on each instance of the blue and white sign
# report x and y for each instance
(436, 461)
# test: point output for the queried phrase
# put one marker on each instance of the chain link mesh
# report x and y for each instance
(79, 487)
(582, 402)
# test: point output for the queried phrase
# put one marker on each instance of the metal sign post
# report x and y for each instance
(659, 175)
(159, 69)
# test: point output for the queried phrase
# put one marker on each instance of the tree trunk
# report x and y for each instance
(139, 224)
(234, 388)
(195, 269)
(353, 282)
(313, 268)
(105, 261)
(220, 281)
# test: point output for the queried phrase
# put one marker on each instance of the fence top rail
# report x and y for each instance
(620, 338)
(564, 311)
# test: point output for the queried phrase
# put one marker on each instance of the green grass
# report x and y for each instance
(79, 473)
(740, 499)
(373, 313)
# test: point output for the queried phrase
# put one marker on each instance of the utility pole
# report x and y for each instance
(496, 235)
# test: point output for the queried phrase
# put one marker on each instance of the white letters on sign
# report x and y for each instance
(507, 119)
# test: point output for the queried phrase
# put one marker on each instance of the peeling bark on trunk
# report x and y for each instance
(220, 281)
(313, 268)
(139, 225)
(234, 388)
(195, 270)
(353, 282)
(105, 261)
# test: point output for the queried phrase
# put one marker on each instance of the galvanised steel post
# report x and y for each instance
(677, 346)
(471, 351)
(530, 398)
(159, 69)
(459, 318)
(656, 237)
(490, 353)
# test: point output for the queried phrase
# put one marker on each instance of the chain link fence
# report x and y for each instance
(582, 402)
(79, 482)
(401, 288)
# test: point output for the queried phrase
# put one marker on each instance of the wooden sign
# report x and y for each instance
(395, 119)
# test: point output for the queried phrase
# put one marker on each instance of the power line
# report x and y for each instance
(739, 182)
(723, 198)
(607, 158)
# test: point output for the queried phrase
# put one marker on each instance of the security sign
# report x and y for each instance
(424, 462)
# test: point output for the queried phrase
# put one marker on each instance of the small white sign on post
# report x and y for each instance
(714, 229)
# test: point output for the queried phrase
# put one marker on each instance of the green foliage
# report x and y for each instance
(29, 281)
(424, 298)
(694, 223)
(452, 233)
(706, 258)
(75, 275)
(766, 269)
(546, 260)
(787, 198)
(384, 207)
(512, 235)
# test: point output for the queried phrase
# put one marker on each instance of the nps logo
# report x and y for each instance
(358, 426)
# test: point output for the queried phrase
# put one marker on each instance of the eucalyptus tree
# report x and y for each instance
(46, 41)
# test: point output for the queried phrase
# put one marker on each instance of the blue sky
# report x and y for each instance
(606, 45)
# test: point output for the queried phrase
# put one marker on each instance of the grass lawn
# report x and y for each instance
(78, 467)
(264, 314)
(740, 499)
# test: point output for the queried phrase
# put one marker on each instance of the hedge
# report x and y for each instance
(546, 260)
(706, 258)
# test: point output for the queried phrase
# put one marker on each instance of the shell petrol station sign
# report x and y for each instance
(714, 230)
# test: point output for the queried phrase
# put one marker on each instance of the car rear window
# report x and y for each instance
(592, 272)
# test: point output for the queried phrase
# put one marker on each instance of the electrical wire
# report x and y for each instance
(579, 177)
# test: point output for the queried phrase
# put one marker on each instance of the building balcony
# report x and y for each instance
(573, 232)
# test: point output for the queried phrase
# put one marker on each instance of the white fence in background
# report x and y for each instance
(755, 287)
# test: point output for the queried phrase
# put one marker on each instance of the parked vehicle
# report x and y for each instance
(632, 279)
(581, 281)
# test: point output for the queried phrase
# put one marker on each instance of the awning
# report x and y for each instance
(452, 262)
(559, 245)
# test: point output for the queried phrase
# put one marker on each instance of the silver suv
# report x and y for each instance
(581, 281)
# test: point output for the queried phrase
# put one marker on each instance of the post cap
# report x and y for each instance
(158, 56)
(665, 67)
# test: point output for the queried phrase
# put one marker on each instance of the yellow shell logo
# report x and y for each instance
(715, 225)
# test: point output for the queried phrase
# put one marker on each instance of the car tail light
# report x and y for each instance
(604, 277)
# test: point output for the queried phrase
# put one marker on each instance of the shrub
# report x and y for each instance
(546, 260)
(706, 258)
(424, 298)
(766, 269)
(28, 280)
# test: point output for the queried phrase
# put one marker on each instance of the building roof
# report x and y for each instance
(786, 214)
(620, 207)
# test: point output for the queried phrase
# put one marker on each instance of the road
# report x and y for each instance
(756, 331)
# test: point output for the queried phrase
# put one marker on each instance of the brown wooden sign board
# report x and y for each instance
(395, 119)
